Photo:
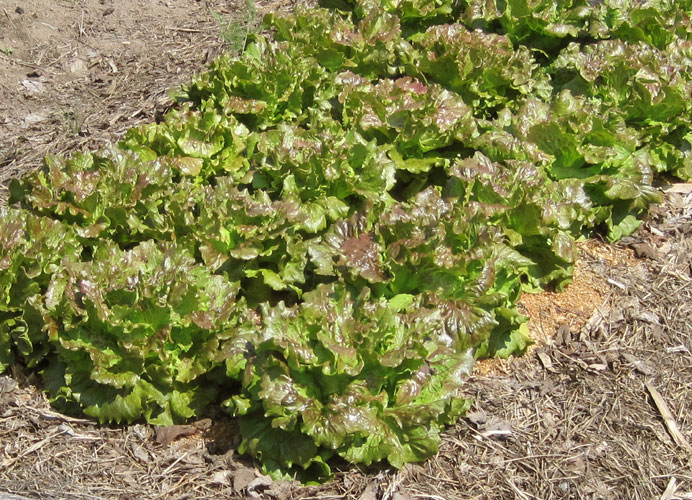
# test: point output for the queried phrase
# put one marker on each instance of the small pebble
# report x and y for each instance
(19, 10)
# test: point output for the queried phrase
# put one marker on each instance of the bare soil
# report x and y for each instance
(600, 408)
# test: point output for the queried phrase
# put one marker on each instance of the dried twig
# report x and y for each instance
(668, 418)
(670, 489)
(8, 496)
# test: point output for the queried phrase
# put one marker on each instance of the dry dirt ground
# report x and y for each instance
(601, 408)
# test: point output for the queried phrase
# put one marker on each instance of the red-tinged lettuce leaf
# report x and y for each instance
(595, 157)
(143, 326)
(322, 165)
(520, 199)
(546, 25)
(361, 253)
(358, 379)
(371, 46)
(657, 23)
(485, 69)
(33, 248)
(355, 250)
(306, 180)
(413, 13)
(414, 117)
(538, 24)
(132, 196)
(271, 82)
(648, 86)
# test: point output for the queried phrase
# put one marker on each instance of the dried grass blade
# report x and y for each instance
(670, 489)
(668, 418)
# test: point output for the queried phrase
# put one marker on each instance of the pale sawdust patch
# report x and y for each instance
(562, 313)
(588, 291)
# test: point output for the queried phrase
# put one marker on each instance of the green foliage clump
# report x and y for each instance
(332, 226)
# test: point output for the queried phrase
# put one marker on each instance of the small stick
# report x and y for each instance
(170, 467)
(184, 30)
(668, 418)
(670, 489)
(36, 446)
(81, 25)
(22, 63)
(521, 494)
(9, 18)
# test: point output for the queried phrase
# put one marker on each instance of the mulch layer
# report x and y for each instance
(601, 408)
